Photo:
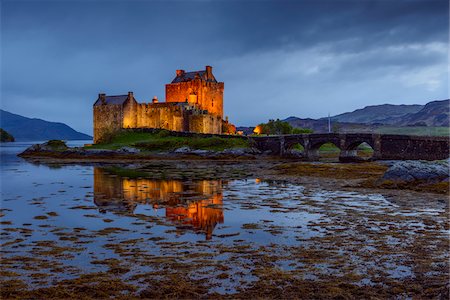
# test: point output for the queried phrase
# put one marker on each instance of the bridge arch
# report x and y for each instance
(358, 147)
(355, 144)
(325, 149)
(318, 145)
(294, 144)
(358, 151)
(295, 150)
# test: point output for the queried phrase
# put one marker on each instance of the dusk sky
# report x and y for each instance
(277, 58)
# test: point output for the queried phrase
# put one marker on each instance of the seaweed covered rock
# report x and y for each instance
(408, 171)
(427, 176)
(50, 146)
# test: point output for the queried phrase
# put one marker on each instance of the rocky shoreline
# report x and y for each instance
(422, 176)
(61, 151)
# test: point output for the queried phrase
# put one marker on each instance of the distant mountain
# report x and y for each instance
(374, 118)
(382, 114)
(27, 129)
(321, 125)
(435, 113)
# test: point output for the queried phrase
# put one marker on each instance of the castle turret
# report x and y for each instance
(209, 75)
(102, 98)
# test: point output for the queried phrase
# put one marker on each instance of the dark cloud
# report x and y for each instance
(277, 58)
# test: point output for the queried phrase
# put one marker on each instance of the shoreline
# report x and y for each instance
(325, 174)
(378, 217)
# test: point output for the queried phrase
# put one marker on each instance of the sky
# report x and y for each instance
(277, 58)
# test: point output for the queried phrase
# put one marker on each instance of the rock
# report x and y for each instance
(254, 151)
(53, 145)
(235, 151)
(50, 146)
(97, 152)
(183, 150)
(33, 148)
(424, 171)
(130, 150)
(201, 152)
(294, 154)
(187, 150)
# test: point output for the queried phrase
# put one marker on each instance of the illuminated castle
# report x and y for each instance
(194, 103)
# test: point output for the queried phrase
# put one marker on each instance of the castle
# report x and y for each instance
(194, 103)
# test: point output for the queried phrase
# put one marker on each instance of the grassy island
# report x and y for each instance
(5, 136)
(165, 141)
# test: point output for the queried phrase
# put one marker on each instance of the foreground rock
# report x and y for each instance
(410, 171)
(428, 175)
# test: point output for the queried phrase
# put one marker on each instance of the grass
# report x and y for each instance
(163, 141)
(415, 130)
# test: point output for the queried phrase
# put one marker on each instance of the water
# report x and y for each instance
(62, 221)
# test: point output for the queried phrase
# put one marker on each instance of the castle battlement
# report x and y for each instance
(194, 103)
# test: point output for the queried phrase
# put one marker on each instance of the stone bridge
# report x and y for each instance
(385, 147)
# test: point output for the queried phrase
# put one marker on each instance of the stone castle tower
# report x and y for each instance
(198, 88)
(194, 103)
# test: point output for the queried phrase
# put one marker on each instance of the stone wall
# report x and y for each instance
(107, 120)
(160, 115)
(209, 95)
(205, 123)
(403, 147)
(170, 116)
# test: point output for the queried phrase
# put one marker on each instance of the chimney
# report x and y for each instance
(180, 73)
(130, 95)
(155, 99)
(209, 72)
(102, 97)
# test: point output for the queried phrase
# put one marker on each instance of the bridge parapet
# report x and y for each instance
(387, 147)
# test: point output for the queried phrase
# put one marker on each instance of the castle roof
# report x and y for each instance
(119, 99)
(188, 76)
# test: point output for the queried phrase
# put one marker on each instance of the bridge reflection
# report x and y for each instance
(191, 205)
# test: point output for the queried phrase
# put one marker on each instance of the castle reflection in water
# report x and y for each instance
(193, 204)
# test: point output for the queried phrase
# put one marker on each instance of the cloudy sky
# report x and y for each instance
(277, 58)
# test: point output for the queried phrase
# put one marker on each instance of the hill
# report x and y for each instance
(28, 129)
(321, 125)
(435, 113)
(432, 119)
(381, 114)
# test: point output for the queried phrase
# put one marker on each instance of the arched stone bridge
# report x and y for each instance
(386, 147)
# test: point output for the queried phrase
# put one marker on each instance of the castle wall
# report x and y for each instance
(107, 119)
(209, 94)
(160, 115)
(205, 123)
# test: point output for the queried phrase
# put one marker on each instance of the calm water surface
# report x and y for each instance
(62, 221)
